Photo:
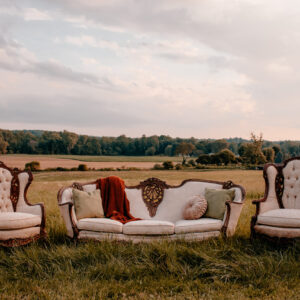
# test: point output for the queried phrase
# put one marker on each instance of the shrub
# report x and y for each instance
(192, 162)
(158, 167)
(178, 167)
(83, 167)
(168, 165)
(33, 166)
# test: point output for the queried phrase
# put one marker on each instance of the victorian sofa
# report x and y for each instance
(20, 221)
(278, 212)
(160, 206)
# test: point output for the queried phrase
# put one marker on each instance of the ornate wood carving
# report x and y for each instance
(78, 186)
(228, 185)
(153, 193)
(14, 190)
(279, 186)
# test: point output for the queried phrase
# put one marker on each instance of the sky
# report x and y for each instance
(205, 68)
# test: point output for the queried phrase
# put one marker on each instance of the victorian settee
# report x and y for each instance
(278, 212)
(20, 221)
(160, 206)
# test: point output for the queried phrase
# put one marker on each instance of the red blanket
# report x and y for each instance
(114, 199)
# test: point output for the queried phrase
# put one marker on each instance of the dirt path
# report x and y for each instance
(48, 162)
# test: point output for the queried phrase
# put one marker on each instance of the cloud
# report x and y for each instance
(33, 14)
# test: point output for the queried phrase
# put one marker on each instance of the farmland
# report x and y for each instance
(236, 268)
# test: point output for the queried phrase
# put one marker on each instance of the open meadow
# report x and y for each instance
(96, 162)
(236, 268)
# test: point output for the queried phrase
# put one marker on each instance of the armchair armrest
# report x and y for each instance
(269, 201)
(23, 205)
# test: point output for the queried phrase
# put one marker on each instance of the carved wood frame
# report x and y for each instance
(14, 197)
(225, 185)
(279, 188)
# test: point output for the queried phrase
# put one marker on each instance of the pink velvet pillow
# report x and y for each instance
(195, 208)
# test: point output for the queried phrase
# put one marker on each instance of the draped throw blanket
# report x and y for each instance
(114, 199)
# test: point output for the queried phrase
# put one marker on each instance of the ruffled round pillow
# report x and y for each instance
(195, 208)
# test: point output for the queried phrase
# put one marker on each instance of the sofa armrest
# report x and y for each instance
(233, 212)
(23, 205)
(67, 211)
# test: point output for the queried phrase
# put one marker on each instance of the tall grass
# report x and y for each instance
(235, 268)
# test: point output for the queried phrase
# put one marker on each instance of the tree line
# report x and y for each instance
(206, 150)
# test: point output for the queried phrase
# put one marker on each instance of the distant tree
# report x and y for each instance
(168, 150)
(69, 140)
(227, 157)
(203, 159)
(269, 154)
(216, 146)
(150, 151)
(251, 153)
(279, 157)
(184, 149)
(3, 145)
(276, 148)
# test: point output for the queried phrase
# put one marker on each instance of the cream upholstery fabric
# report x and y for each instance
(14, 220)
(174, 201)
(235, 212)
(22, 206)
(100, 236)
(200, 225)
(23, 233)
(278, 231)
(100, 224)
(5, 185)
(291, 192)
(280, 218)
(148, 227)
(271, 201)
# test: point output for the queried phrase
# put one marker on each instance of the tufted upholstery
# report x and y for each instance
(5, 184)
(291, 192)
(20, 221)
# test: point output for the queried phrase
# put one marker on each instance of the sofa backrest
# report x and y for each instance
(291, 184)
(174, 199)
(172, 203)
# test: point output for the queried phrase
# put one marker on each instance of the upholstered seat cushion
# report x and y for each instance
(23, 233)
(100, 224)
(280, 218)
(149, 227)
(17, 220)
(200, 225)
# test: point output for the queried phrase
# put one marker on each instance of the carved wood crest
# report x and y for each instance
(153, 193)
(14, 190)
(279, 186)
(228, 185)
(77, 185)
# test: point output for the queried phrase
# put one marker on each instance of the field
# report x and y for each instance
(97, 162)
(236, 268)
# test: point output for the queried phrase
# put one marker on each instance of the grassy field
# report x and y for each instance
(236, 268)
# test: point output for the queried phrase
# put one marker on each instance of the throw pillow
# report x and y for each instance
(195, 208)
(216, 202)
(87, 204)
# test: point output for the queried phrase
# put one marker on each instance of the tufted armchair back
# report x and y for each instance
(5, 190)
(291, 184)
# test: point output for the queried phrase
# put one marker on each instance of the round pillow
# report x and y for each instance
(195, 208)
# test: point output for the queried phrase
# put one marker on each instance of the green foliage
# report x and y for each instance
(83, 167)
(168, 165)
(269, 154)
(184, 149)
(178, 167)
(33, 166)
